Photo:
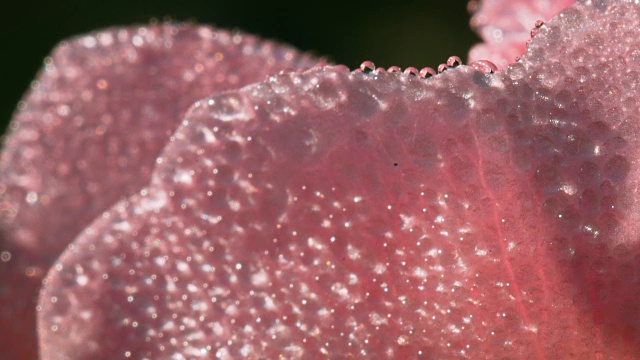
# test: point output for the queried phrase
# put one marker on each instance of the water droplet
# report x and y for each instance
(536, 29)
(454, 61)
(82, 280)
(620, 251)
(571, 18)
(31, 198)
(472, 6)
(286, 71)
(394, 69)
(427, 72)
(411, 71)
(403, 340)
(442, 68)
(617, 168)
(102, 84)
(367, 67)
(342, 68)
(484, 66)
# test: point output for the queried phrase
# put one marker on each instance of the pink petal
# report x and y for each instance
(347, 215)
(89, 131)
(505, 26)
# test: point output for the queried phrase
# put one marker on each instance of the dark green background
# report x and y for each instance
(407, 33)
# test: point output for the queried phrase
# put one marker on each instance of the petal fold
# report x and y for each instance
(88, 133)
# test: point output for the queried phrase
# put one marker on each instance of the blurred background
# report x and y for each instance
(403, 33)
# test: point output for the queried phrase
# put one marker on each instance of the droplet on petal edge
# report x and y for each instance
(411, 71)
(484, 66)
(454, 61)
(427, 72)
(367, 66)
(339, 211)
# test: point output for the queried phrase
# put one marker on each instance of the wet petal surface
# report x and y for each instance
(336, 214)
(88, 132)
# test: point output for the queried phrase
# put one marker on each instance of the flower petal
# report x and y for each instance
(88, 133)
(506, 25)
(335, 214)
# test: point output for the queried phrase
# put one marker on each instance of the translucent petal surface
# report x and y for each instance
(88, 133)
(350, 215)
(505, 26)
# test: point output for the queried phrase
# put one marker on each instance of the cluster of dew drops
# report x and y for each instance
(484, 66)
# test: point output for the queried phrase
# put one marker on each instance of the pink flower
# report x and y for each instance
(327, 213)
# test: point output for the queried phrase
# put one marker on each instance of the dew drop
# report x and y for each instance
(342, 68)
(442, 68)
(411, 71)
(286, 71)
(82, 280)
(367, 67)
(454, 61)
(537, 27)
(620, 251)
(394, 69)
(571, 18)
(31, 198)
(403, 340)
(484, 66)
(589, 202)
(617, 168)
(427, 72)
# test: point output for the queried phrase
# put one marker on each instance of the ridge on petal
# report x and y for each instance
(89, 130)
(380, 215)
